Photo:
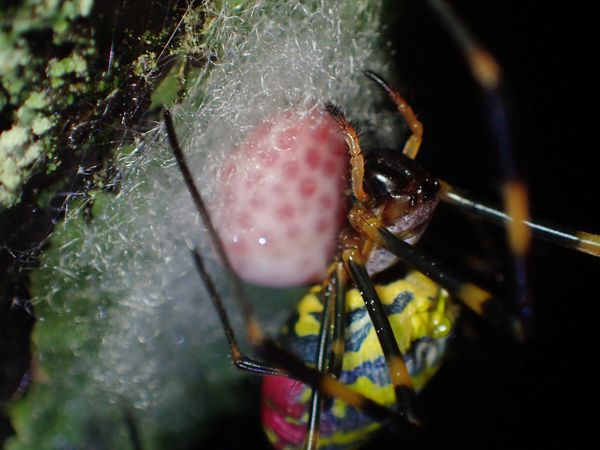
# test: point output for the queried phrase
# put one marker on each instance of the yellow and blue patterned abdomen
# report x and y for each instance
(421, 318)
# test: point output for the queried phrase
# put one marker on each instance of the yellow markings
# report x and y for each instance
(370, 348)
(307, 324)
(413, 321)
(389, 292)
(304, 397)
(474, 297)
(418, 319)
(344, 438)
(271, 435)
(354, 300)
(589, 243)
(425, 286)
(358, 436)
(424, 315)
(339, 409)
(310, 302)
(384, 395)
(516, 205)
(418, 312)
(427, 303)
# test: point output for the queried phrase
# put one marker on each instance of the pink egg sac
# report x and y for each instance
(282, 201)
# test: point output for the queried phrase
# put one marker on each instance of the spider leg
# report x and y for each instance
(411, 148)
(563, 236)
(132, 427)
(488, 75)
(280, 362)
(335, 285)
(353, 261)
(401, 382)
(477, 299)
(362, 220)
(336, 288)
(241, 361)
(287, 364)
(357, 161)
(325, 335)
(482, 64)
(338, 338)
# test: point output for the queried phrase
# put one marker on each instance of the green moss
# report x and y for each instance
(40, 125)
(37, 100)
(68, 327)
(72, 64)
(24, 72)
(166, 93)
(58, 70)
(15, 152)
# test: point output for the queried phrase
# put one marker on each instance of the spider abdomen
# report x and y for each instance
(410, 304)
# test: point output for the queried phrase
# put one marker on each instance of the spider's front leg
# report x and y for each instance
(401, 201)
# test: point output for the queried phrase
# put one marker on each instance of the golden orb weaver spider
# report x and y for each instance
(592, 240)
(457, 429)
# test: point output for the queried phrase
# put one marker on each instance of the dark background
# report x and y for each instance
(539, 395)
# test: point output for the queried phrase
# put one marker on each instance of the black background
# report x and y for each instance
(544, 393)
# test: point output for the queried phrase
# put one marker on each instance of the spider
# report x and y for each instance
(366, 238)
(393, 201)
